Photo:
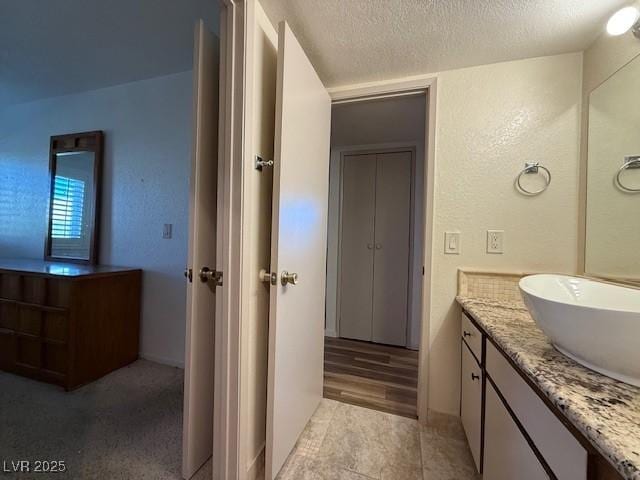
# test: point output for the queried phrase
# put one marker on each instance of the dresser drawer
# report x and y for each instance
(8, 315)
(472, 337)
(560, 449)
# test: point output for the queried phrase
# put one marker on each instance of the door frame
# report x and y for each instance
(236, 118)
(340, 154)
(427, 86)
(226, 418)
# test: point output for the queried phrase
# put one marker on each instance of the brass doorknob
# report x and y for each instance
(287, 277)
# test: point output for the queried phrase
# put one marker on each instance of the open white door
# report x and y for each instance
(299, 244)
(201, 286)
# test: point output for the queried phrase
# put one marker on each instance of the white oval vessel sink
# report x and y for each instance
(595, 323)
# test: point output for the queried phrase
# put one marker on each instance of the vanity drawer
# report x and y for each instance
(560, 449)
(472, 337)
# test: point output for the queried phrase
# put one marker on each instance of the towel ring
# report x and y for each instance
(530, 168)
(631, 162)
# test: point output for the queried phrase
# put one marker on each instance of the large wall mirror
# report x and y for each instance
(612, 246)
(74, 167)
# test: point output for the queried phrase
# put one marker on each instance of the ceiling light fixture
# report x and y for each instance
(624, 20)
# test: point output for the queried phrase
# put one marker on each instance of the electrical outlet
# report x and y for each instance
(452, 243)
(167, 231)
(495, 241)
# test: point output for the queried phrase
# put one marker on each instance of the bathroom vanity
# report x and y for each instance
(65, 323)
(530, 413)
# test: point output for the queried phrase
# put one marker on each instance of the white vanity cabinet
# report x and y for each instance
(471, 403)
(512, 429)
(507, 455)
(561, 451)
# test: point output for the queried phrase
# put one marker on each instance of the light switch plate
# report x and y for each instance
(452, 243)
(167, 231)
(495, 241)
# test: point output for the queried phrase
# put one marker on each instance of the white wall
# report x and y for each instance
(146, 170)
(396, 122)
(491, 120)
(396, 119)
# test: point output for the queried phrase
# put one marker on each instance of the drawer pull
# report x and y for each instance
(475, 377)
(467, 334)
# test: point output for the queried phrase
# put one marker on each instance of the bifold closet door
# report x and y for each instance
(392, 243)
(356, 254)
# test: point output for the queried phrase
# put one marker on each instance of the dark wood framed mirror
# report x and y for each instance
(75, 166)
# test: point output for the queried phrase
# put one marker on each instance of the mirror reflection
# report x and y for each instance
(73, 205)
(613, 177)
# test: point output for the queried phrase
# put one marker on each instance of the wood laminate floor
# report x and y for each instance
(380, 377)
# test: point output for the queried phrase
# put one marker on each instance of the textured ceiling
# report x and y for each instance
(50, 48)
(352, 41)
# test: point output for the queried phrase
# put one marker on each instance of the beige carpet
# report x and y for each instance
(127, 425)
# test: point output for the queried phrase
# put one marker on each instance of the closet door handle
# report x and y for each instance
(378, 246)
(369, 246)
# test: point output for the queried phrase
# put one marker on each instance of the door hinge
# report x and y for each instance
(268, 277)
(188, 274)
(260, 163)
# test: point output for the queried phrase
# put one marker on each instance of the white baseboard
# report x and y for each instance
(256, 468)
(334, 334)
(163, 360)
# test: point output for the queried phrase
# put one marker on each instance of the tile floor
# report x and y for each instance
(347, 442)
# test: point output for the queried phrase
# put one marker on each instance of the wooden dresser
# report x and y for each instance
(67, 324)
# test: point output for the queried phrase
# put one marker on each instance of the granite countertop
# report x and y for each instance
(605, 410)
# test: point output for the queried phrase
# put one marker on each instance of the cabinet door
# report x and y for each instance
(392, 242)
(560, 449)
(471, 402)
(356, 248)
(507, 454)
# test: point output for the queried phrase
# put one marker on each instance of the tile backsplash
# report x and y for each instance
(500, 286)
